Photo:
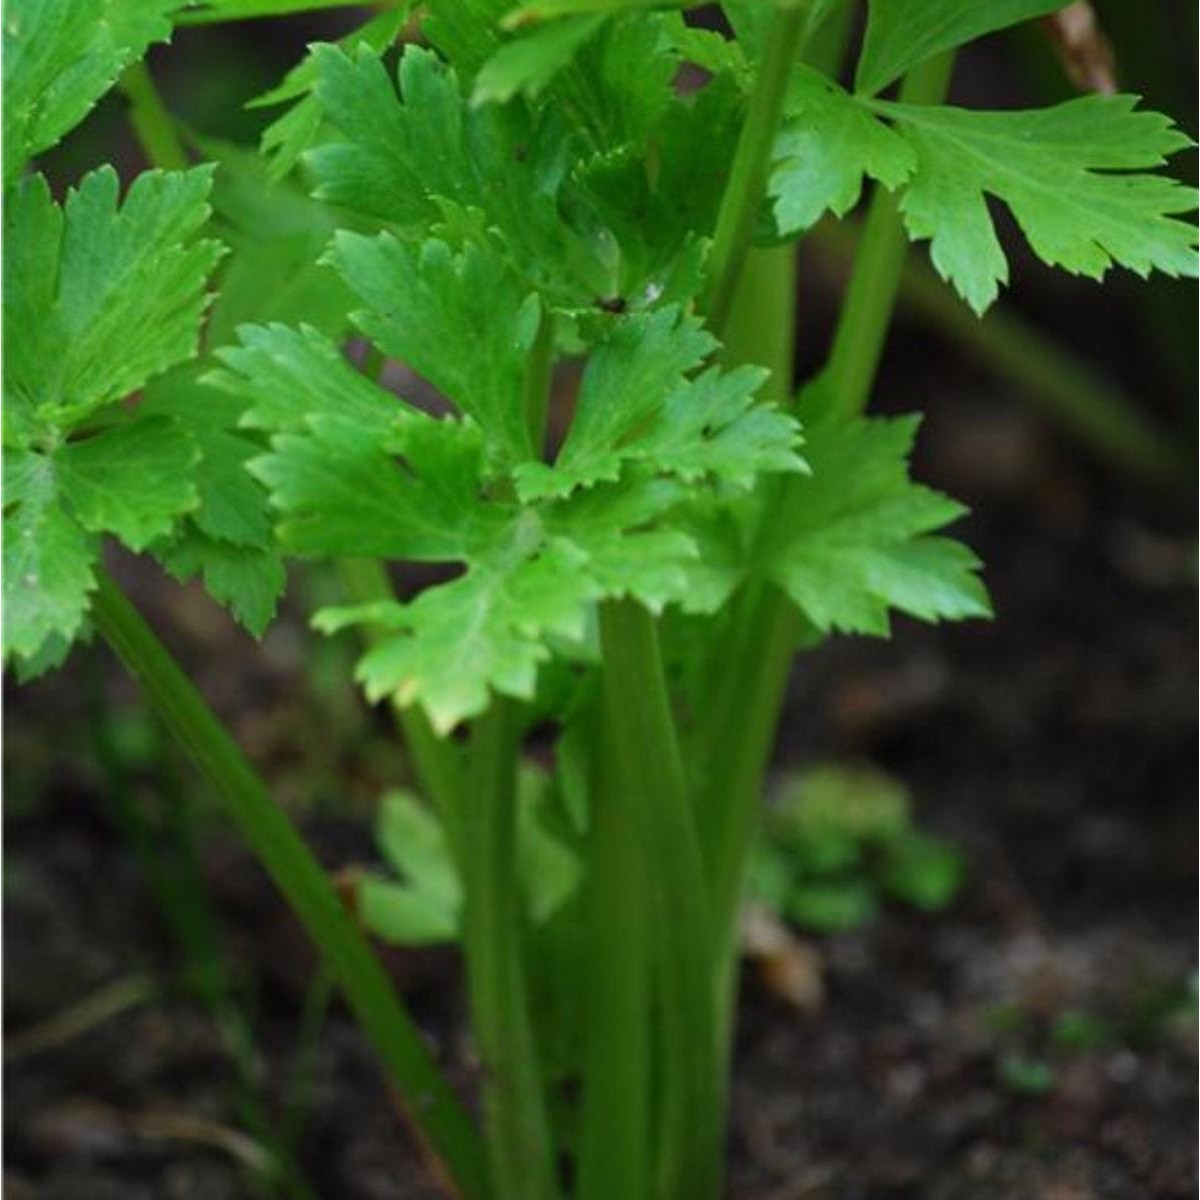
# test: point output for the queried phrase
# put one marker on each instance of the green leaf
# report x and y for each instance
(421, 301)
(1073, 177)
(465, 32)
(283, 376)
(97, 299)
(288, 137)
(131, 480)
(424, 906)
(550, 871)
(1065, 174)
(425, 159)
(832, 905)
(534, 583)
(825, 147)
(47, 558)
(526, 65)
(862, 544)
(247, 580)
(903, 33)
(232, 506)
(923, 871)
(345, 494)
(277, 236)
(60, 57)
(636, 404)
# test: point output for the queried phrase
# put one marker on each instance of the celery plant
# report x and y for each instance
(525, 187)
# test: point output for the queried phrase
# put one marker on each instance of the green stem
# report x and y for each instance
(650, 771)
(153, 125)
(519, 1141)
(299, 1092)
(273, 839)
(751, 162)
(614, 1158)
(867, 309)
(1069, 391)
(735, 730)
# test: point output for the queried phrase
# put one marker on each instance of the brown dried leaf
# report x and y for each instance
(790, 967)
(1082, 48)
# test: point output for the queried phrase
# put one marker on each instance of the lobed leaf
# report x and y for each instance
(863, 541)
(98, 298)
(1072, 175)
(60, 57)
(637, 404)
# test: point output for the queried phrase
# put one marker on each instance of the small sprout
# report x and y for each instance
(1027, 1076)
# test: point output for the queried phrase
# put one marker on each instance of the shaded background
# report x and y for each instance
(1055, 747)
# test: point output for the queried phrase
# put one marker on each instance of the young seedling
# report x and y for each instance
(523, 188)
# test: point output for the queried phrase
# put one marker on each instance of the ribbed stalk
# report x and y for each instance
(614, 1157)
(518, 1131)
(649, 769)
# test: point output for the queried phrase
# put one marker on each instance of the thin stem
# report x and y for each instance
(614, 1158)
(436, 760)
(317, 997)
(433, 1108)
(650, 770)
(735, 730)
(82, 1017)
(751, 161)
(153, 125)
(519, 1141)
(867, 309)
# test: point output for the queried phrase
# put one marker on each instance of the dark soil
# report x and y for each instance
(1055, 746)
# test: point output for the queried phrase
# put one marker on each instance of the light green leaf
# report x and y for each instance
(862, 543)
(1066, 175)
(903, 33)
(60, 57)
(403, 915)
(637, 404)
(1073, 177)
(628, 378)
(825, 147)
(284, 376)
(531, 584)
(485, 631)
(97, 299)
(423, 906)
(343, 493)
